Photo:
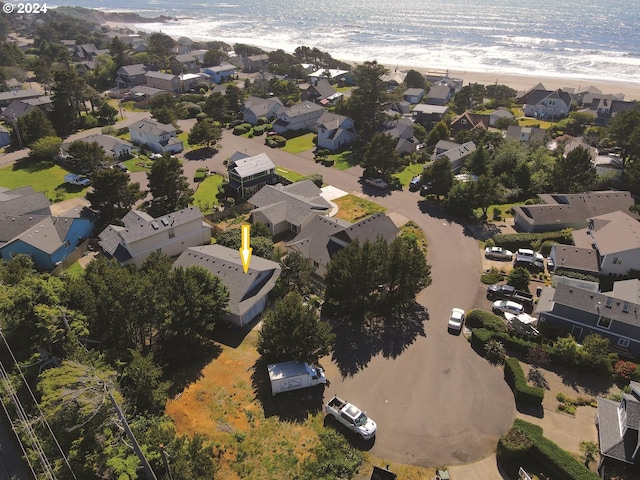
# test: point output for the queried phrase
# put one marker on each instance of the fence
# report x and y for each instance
(73, 257)
(228, 212)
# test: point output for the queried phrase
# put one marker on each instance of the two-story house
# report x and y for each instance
(247, 291)
(163, 81)
(428, 115)
(439, 94)
(255, 63)
(321, 92)
(544, 104)
(616, 238)
(456, 153)
(605, 107)
(335, 131)
(468, 120)
(247, 175)
(618, 426)
(129, 76)
(220, 73)
(402, 131)
(141, 234)
(302, 116)
(413, 95)
(158, 137)
(256, 107)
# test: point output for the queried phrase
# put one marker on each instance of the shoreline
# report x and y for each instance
(518, 81)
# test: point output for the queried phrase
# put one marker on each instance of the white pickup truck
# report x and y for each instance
(351, 417)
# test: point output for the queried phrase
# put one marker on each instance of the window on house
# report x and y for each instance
(625, 307)
(623, 342)
(604, 322)
(172, 232)
(316, 264)
(609, 302)
(617, 261)
(552, 102)
(463, 121)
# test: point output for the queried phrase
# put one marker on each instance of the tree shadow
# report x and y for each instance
(190, 369)
(357, 343)
(32, 165)
(201, 153)
(230, 335)
(537, 378)
(294, 406)
(355, 440)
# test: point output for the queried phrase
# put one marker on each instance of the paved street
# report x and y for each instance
(438, 403)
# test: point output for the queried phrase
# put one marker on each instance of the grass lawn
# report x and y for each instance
(409, 172)
(74, 271)
(341, 89)
(289, 174)
(205, 196)
(344, 160)
(184, 136)
(255, 435)
(136, 164)
(505, 207)
(300, 144)
(44, 177)
(352, 208)
(527, 122)
(130, 106)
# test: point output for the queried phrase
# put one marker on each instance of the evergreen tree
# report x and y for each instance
(574, 172)
(381, 156)
(168, 186)
(112, 194)
(415, 79)
(206, 133)
(67, 100)
(87, 155)
(33, 126)
(438, 176)
(366, 103)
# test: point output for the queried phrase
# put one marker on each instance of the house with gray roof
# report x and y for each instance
(113, 146)
(19, 108)
(256, 107)
(402, 131)
(572, 210)
(247, 175)
(576, 259)
(628, 290)
(544, 104)
(413, 95)
(322, 237)
(131, 75)
(285, 208)
(7, 97)
(140, 235)
(615, 237)
(321, 92)
(335, 131)
(428, 115)
(158, 137)
(255, 63)
(605, 107)
(524, 134)
(618, 425)
(28, 228)
(220, 73)
(247, 291)
(439, 95)
(163, 81)
(456, 153)
(393, 80)
(500, 113)
(302, 116)
(581, 312)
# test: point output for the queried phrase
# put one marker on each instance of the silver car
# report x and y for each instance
(507, 306)
(498, 253)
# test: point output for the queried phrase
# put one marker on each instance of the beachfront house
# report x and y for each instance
(605, 107)
(140, 235)
(255, 63)
(334, 75)
(335, 132)
(303, 116)
(256, 107)
(157, 137)
(247, 291)
(538, 102)
(247, 175)
(439, 94)
(220, 73)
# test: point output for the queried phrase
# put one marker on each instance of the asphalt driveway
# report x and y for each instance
(435, 400)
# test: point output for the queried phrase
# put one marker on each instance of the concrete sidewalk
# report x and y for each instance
(486, 469)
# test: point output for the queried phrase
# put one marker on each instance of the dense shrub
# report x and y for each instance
(514, 444)
(200, 175)
(241, 129)
(479, 338)
(263, 120)
(514, 376)
(491, 277)
(545, 247)
(260, 129)
(276, 141)
(315, 178)
(514, 241)
(563, 464)
(191, 109)
(478, 318)
(625, 370)
(577, 275)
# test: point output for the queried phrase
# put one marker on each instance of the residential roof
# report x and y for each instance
(47, 235)
(628, 290)
(439, 91)
(221, 68)
(17, 109)
(595, 304)
(107, 142)
(576, 258)
(331, 121)
(457, 152)
(160, 75)
(41, 100)
(261, 106)
(151, 127)
(245, 289)
(476, 120)
(245, 167)
(292, 203)
(134, 70)
(574, 207)
(301, 109)
(516, 132)
(331, 72)
(369, 229)
(410, 92)
(323, 88)
(538, 96)
(14, 226)
(395, 77)
(501, 113)
(18, 94)
(186, 57)
(402, 128)
(23, 200)
(148, 91)
(428, 109)
(143, 228)
(613, 232)
(612, 443)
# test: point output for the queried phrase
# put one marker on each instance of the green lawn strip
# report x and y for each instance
(505, 207)
(353, 208)
(409, 172)
(342, 89)
(299, 144)
(344, 160)
(205, 196)
(136, 164)
(42, 176)
(130, 106)
(74, 271)
(289, 174)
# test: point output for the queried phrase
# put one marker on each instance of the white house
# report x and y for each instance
(112, 146)
(247, 291)
(455, 152)
(335, 131)
(142, 234)
(302, 116)
(158, 137)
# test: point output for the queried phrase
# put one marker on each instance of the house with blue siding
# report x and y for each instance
(221, 73)
(46, 238)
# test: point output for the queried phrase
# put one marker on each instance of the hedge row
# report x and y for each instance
(480, 337)
(561, 463)
(260, 129)
(514, 241)
(478, 318)
(514, 376)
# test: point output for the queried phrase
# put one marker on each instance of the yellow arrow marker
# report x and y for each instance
(245, 249)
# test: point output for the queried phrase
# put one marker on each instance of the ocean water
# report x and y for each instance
(588, 39)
